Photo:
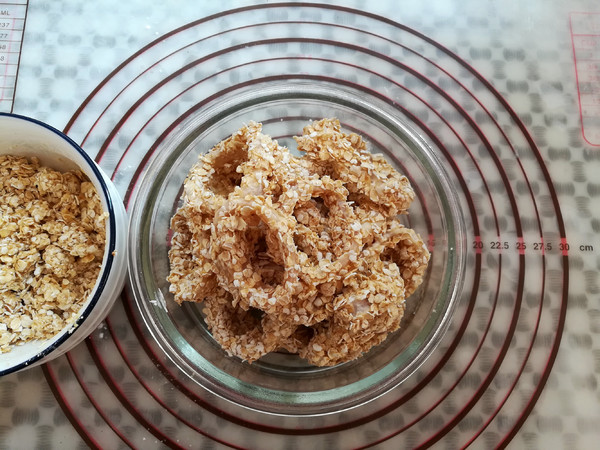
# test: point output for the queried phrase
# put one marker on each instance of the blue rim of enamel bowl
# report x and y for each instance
(111, 245)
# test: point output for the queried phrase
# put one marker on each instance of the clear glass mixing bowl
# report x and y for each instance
(280, 383)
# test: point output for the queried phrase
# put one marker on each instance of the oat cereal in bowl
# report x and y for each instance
(289, 263)
(52, 235)
(60, 269)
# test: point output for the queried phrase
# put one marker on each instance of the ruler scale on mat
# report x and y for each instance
(585, 35)
(12, 24)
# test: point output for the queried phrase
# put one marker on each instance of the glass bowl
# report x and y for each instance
(24, 136)
(281, 383)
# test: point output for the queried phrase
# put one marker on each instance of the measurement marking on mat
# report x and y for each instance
(585, 39)
(522, 247)
(12, 26)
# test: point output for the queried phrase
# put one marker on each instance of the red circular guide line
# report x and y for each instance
(553, 194)
(522, 367)
(383, 411)
(71, 415)
(474, 291)
(121, 395)
(345, 426)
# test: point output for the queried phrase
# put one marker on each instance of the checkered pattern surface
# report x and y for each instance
(524, 51)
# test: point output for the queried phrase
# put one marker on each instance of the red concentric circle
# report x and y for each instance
(482, 381)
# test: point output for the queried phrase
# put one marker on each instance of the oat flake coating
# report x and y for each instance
(305, 254)
(52, 235)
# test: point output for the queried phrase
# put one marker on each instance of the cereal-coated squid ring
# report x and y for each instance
(404, 247)
(218, 172)
(254, 254)
(345, 157)
(370, 306)
(188, 279)
(328, 239)
(247, 334)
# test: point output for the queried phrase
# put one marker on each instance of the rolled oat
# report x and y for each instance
(52, 236)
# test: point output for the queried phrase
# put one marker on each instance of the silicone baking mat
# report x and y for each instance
(510, 109)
